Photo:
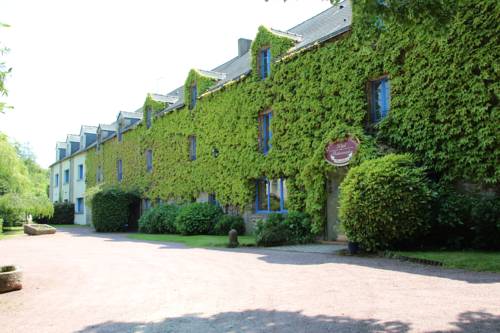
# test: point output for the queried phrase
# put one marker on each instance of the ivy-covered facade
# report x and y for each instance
(251, 134)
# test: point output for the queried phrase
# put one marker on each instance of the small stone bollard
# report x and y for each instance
(233, 238)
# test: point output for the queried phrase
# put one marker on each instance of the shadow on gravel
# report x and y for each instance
(298, 258)
(253, 321)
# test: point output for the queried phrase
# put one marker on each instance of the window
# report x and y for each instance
(192, 148)
(149, 160)
(265, 63)
(194, 96)
(271, 196)
(98, 141)
(80, 171)
(148, 116)
(265, 133)
(66, 176)
(212, 199)
(57, 180)
(119, 170)
(380, 97)
(120, 132)
(146, 204)
(99, 174)
(79, 206)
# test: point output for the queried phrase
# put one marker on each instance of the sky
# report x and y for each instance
(80, 62)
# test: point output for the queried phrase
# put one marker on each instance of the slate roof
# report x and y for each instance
(108, 127)
(88, 129)
(73, 138)
(133, 115)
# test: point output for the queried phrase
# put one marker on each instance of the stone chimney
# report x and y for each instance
(243, 46)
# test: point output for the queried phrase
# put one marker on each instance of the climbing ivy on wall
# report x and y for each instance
(444, 108)
(277, 44)
(202, 82)
(155, 105)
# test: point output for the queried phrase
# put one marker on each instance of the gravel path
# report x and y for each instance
(77, 281)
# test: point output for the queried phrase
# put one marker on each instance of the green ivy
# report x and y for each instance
(444, 109)
(202, 82)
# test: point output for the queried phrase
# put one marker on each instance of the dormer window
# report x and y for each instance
(265, 62)
(194, 96)
(148, 116)
(120, 131)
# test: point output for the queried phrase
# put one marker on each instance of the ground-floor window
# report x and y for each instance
(271, 196)
(79, 206)
(146, 204)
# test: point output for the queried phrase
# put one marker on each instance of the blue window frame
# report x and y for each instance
(79, 206)
(66, 176)
(265, 133)
(119, 170)
(149, 160)
(148, 116)
(265, 63)
(57, 180)
(271, 196)
(192, 148)
(80, 171)
(380, 99)
(194, 96)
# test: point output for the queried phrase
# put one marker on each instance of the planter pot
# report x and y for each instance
(353, 247)
(38, 229)
(10, 279)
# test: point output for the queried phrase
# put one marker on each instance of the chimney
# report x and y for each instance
(243, 46)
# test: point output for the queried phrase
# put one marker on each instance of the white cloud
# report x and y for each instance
(80, 62)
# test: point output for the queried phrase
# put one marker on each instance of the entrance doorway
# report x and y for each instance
(134, 215)
(333, 230)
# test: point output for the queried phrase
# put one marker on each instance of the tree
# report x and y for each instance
(4, 72)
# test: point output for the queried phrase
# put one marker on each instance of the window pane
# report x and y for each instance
(275, 195)
(262, 195)
(285, 195)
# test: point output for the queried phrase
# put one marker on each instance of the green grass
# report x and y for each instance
(6, 229)
(194, 241)
(468, 260)
(12, 233)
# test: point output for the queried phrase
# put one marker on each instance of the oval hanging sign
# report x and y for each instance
(340, 153)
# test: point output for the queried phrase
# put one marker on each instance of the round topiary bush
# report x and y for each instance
(159, 220)
(385, 201)
(197, 218)
(111, 210)
(228, 222)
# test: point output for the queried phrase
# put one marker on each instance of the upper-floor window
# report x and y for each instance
(80, 171)
(380, 98)
(149, 160)
(99, 174)
(265, 63)
(66, 176)
(265, 133)
(119, 170)
(120, 132)
(56, 181)
(194, 96)
(148, 116)
(271, 196)
(192, 148)
(98, 141)
(79, 207)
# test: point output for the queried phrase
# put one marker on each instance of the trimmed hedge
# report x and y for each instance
(278, 229)
(197, 218)
(159, 220)
(111, 210)
(384, 202)
(228, 222)
(64, 213)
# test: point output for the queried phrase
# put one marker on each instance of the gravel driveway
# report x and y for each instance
(78, 281)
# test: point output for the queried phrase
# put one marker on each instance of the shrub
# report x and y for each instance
(271, 232)
(1, 225)
(228, 222)
(159, 220)
(64, 213)
(384, 201)
(197, 218)
(485, 213)
(299, 228)
(111, 210)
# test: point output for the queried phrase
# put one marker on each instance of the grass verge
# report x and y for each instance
(11, 233)
(194, 241)
(469, 260)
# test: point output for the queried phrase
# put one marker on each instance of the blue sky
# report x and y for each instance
(80, 62)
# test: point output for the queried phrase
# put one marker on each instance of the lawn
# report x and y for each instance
(469, 260)
(194, 241)
(11, 232)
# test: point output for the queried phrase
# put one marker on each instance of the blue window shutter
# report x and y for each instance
(268, 55)
(268, 187)
(270, 115)
(265, 133)
(262, 64)
(282, 199)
